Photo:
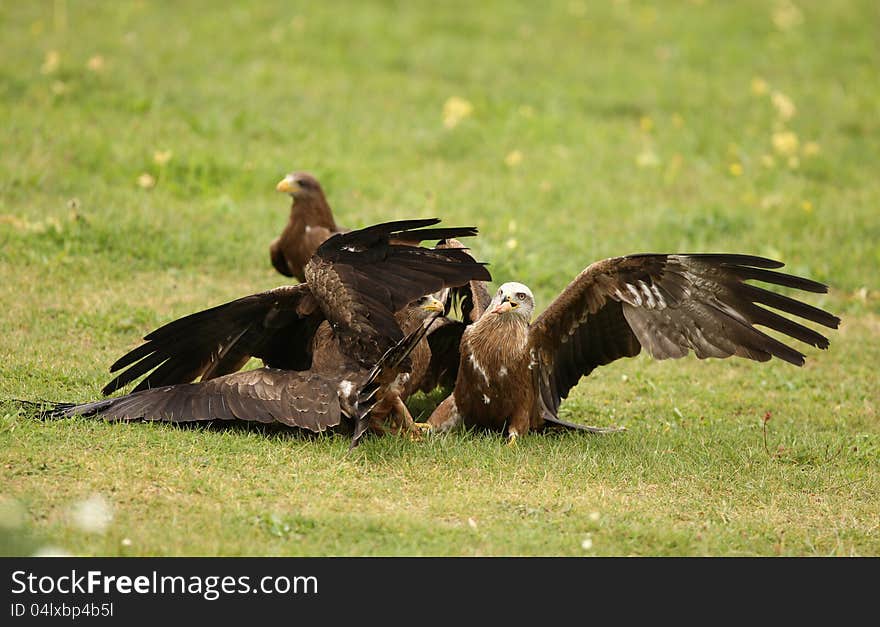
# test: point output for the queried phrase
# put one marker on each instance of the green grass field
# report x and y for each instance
(141, 143)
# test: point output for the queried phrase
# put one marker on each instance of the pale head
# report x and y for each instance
(512, 299)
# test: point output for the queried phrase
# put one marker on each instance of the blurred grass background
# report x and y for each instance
(140, 147)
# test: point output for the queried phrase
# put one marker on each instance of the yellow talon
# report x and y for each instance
(511, 438)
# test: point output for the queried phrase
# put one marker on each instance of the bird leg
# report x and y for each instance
(519, 425)
(444, 417)
(378, 414)
(405, 418)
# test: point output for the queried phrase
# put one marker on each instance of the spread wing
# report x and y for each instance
(356, 280)
(360, 279)
(671, 305)
(276, 326)
(296, 399)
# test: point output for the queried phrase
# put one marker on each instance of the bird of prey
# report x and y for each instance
(332, 347)
(309, 225)
(513, 374)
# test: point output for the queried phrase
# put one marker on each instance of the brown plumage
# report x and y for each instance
(309, 225)
(363, 306)
(514, 374)
(466, 302)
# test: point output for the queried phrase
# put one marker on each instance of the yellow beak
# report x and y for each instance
(433, 305)
(288, 185)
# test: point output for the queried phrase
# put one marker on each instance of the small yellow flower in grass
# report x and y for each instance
(785, 143)
(786, 15)
(811, 149)
(161, 157)
(647, 159)
(783, 104)
(51, 62)
(793, 163)
(126, 542)
(456, 109)
(768, 161)
(759, 86)
(511, 243)
(646, 123)
(146, 180)
(735, 169)
(595, 516)
(513, 158)
(807, 206)
(96, 63)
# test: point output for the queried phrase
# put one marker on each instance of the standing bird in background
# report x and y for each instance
(309, 225)
(333, 347)
(513, 374)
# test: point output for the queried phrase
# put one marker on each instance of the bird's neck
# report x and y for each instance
(494, 333)
(312, 213)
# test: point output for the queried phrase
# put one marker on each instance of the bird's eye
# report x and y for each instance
(521, 295)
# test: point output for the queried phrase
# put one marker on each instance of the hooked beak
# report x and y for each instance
(503, 307)
(433, 305)
(288, 185)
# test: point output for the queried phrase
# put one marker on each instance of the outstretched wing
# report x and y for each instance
(276, 326)
(296, 399)
(671, 305)
(361, 279)
(356, 280)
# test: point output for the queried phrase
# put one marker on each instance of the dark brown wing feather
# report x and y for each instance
(670, 304)
(361, 279)
(444, 340)
(296, 399)
(276, 326)
(278, 258)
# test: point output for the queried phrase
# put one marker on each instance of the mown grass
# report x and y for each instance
(596, 129)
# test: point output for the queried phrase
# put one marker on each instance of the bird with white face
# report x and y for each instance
(513, 373)
(513, 298)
